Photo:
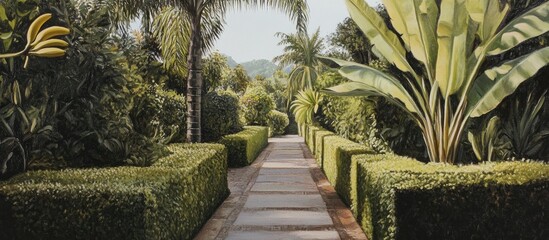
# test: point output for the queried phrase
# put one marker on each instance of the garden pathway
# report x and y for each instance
(282, 195)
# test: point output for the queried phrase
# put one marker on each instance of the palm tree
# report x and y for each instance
(302, 51)
(184, 28)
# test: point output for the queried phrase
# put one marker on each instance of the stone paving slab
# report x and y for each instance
(282, 151)
(284, 218)
(273, 187)
(285, 155)
(285, 178)
(294, 235)
(285, 165)
(284, 201)
(283, 171)
(282, 195)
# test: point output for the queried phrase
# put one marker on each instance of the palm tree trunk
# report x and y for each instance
(194, 83)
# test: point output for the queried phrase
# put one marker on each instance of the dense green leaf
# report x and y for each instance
(488, 14)
(452, 31)
(377, 81)
(416, 20)
(529, 25)
(497, 83)
(385, 41)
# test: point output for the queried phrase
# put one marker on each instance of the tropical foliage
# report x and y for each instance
(215, 69)
(301, 51)
(446, 84)
(104, 104)
(354, 118)
(526, 128)
(306, 105)
(277, 123)
(350, 39)
(256, 105)
(220, 115)
(24, 122)
(185, 28)
(237, 80)
(488, 144)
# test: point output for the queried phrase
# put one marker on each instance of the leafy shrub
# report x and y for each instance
(220, 115)
(354, 118)
(25, 111)
(214, 70)
(82, 106)
(236, 80)
(256, 105)
(110, 85)
(526, 126)
(401, 198)
(97, 97)
(277, 122)
(160, 114)
(488, 144)
(399, 131)
(245, 146)
(170, 200)
(277, 89)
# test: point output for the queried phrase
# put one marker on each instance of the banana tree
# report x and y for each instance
(446, 84)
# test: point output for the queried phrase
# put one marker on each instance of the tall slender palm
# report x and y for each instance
(302, 51)
(186, 27)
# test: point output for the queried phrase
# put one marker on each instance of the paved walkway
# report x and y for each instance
(282, 195)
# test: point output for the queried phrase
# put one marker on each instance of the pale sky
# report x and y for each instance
(250, 34)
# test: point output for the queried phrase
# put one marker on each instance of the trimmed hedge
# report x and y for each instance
(304, 132)
(170, 200)
(311, 137)
(337, 163)
(401, 198)
(245, 146)
(319, 145)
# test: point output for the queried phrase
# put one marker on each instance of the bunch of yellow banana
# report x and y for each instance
(42, 43)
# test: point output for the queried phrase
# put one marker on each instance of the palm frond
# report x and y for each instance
(297, 10)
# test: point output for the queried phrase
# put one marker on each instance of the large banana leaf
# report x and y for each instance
(352, 89)
(452, 31)
(497, 83)
(376, 80)
(488, 14)
(373, 26)
(531, 24)
(416, 20)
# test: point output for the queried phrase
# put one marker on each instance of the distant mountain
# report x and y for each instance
(232, 63)
(261, 67)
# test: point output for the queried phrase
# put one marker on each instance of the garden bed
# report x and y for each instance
(170, 200)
